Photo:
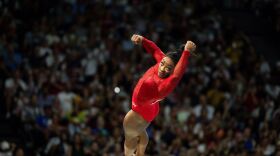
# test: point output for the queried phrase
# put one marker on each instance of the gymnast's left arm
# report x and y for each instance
(170, 83)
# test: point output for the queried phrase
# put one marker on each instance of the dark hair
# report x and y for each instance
(175, 55)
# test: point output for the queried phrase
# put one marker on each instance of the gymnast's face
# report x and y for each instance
(166, 67)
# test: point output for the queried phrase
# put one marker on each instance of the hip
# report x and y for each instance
(147, 111)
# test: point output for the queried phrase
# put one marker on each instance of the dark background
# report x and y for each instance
(60, 62)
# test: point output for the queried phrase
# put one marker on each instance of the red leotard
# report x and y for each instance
(150, 89)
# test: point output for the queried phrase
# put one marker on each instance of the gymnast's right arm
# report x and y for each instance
(150, 46)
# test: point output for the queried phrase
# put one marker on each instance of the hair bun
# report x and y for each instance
(174, 55)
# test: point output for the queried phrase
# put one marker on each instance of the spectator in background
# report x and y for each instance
(66, 100)
(47, 45)
(215, 95)
(15, 86)
(204, 107)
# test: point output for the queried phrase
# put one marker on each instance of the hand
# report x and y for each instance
(190, 46)
(136, 39)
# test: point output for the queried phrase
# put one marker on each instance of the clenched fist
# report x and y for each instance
(136, 39)
(190, 46)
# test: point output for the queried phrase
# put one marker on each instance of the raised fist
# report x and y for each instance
(190, 46)
(136, 39)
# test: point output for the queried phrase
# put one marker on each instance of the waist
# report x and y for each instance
(144, 103)
(147, 111)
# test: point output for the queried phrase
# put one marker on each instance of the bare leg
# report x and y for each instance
(130, 145)
(133, 125)
(142, 144)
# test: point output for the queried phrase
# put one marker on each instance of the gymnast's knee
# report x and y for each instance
(130, 146)
(144, 139)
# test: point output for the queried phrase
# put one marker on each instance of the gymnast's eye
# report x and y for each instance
(167, 69)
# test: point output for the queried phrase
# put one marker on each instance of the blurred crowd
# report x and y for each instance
(68, 69)
(267, 9)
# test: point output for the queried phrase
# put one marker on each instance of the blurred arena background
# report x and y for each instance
(68, 69)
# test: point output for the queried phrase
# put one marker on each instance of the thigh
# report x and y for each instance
(134, 124)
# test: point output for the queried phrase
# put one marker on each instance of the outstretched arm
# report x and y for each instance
(182, 64)
(170, 83)
(149, 46)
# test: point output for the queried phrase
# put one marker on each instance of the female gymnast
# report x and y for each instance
(154, 86)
